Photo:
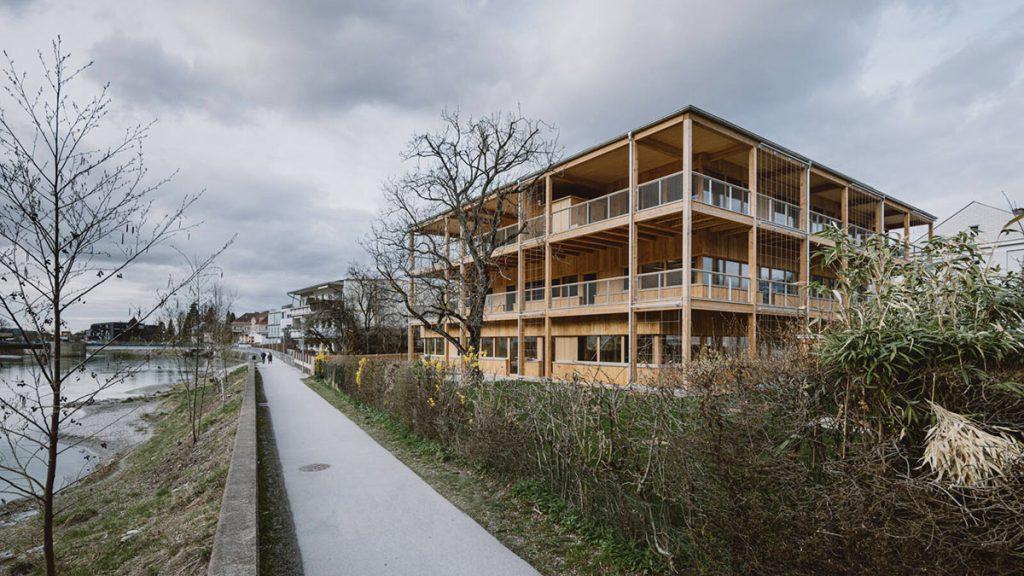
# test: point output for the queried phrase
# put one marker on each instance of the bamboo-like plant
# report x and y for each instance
(942, 326)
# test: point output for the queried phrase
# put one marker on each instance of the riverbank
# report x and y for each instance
(149, 509)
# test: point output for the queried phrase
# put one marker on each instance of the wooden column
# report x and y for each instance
(520, 288)
(548, 346)
(752, 266)
(805, 247)
(412, 295)
(447, 281)
(845, 209)
(685, 311)
(931, 230)
(880, 217)
(906, 232)
(633, 177)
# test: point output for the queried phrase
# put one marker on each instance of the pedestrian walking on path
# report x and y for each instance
(357, 509)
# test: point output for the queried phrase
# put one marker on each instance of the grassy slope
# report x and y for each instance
(533, 524)
(166, 488)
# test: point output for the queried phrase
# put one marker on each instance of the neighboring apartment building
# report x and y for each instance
(987, 222)
(687, 234)
(308, 326)
(250, 328)
(279, 321)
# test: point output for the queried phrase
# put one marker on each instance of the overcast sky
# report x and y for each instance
(290, 114)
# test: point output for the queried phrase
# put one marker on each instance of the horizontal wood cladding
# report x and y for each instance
(606, 373)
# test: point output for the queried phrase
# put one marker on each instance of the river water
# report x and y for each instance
(157, 371)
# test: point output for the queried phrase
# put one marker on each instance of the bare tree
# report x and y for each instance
(330, 323)
(445, 218)
(75, 216)
(376, 311)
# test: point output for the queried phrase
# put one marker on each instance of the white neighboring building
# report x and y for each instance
(276, 325)
(1004, 250)
(306, 301)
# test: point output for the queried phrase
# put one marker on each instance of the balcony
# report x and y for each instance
(603, 292)
(821, 302)
(591, 211)
(534, 228)
(666, 285)
(779, 294)
(720, 287)
(500, 303)
(664, 190)
(719, 193)
(821, 222)
(859, 234)
(778, 212)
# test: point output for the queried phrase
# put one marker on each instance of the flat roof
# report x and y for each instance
(689, 108)
(320, 286)
(749, 134)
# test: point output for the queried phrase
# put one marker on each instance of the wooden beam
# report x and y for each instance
(686, 312)
(667, 149)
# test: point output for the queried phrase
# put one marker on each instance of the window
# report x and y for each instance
(565, 287)
(645, 349)
(671, 349)
(625, 280)
(611, 350)
(712, 271)
(778, 281)
(586, 348)
(487, 347)
(534, 291)
(531, 347)
(501, 347)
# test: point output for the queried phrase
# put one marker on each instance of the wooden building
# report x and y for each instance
(687, 234)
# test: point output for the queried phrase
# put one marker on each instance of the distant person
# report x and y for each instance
(263, 357)
(253, 357)
(270, 357)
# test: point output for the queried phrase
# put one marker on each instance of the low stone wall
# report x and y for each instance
(236, 544)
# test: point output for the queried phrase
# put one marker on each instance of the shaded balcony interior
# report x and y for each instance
(864, 210)
(780, 182)
(720, 261)
(592, 191)
(724, 333)
(826, 197)
(780, 286)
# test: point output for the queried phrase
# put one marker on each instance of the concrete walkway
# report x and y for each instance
(367, 513)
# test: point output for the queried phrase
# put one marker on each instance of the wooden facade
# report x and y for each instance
(686, 234)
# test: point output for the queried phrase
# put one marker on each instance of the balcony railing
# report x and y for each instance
(601, 292)
(896, 244)
(719, 286)
(500, 303)
(664, 190)
(779, 294)
(534, 228)
(859, 234)
(821, 222)
(821, 302)
(591, 211)
(660, 286)
(778, 212)
(715, 192)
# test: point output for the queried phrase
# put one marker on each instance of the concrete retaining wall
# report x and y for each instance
(236, 544)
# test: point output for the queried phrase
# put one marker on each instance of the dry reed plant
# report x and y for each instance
(962, 452)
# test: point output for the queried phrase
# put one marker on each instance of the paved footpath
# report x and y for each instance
(367, 513)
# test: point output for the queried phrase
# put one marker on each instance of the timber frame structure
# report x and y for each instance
(687, 234)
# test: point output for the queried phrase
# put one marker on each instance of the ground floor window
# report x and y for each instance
(605, 349)
(531, 347)
(730, 345)
(671, 349)
(433, 346)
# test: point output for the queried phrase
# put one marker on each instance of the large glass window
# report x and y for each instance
(534, 291)
(564, 287)
(645, 349)
(671, 349)
(587, 347)
(611, 350)
(531, 347)
(501, 347)
(487, 347)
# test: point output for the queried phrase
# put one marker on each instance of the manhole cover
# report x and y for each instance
(314, 467)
